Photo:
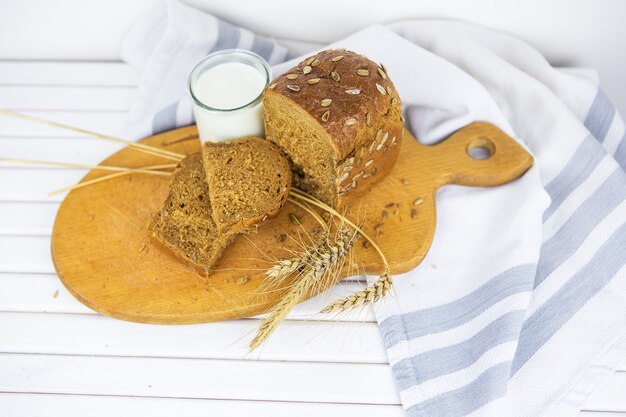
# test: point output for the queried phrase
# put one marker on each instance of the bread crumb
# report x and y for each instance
(144, 248)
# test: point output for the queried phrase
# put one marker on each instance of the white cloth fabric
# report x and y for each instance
(519, 308)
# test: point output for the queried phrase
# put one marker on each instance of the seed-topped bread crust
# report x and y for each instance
(249, 181)
(338, 116)
(185, 224)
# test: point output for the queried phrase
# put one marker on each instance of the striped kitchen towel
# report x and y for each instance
(519, 308)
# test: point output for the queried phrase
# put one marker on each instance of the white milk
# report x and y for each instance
(228, 88)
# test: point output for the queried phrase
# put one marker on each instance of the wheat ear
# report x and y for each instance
(368, 295)
(311, 278)
(285, 267)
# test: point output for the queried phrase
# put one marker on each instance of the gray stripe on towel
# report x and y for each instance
(489, 386)
(571, 297)
(575, 230)
(620, 153)
(263, 47)
(436, 319)
(449, 359)
(227, 36)
(600, 116)
(586, 158)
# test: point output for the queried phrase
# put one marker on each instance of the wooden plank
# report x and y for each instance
(295, 340)
(221, 379)
(27, 183)
(109, 74)
(63, 405)
(78, 150)
(65, 98)
(41, 293)
(98, 121)
(18, 218)
(199, 378)
(37, 293)
(25, 254)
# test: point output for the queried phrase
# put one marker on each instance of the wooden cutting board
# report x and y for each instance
(103, 255)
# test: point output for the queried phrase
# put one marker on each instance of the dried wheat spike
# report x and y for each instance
(370, 294)
(285, 267)
(284, 306)
(321, 262)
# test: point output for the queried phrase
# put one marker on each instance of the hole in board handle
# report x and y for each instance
(481, 149)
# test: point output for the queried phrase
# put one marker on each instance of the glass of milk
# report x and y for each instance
(226, 89)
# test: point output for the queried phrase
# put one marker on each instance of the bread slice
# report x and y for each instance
(249, 181)
(185, 224)
(338, 117)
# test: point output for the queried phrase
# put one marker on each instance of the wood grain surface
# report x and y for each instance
(103, 255)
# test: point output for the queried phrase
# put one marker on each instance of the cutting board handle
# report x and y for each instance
(503, 158)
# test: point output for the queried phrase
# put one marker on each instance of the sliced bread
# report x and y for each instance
(249, 181)
(185, 224)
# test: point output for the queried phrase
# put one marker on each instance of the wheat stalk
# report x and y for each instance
(94, 167)
(152, 150)
(106, 178)
(321, 262)
(310, 211)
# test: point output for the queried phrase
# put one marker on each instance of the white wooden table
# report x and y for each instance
(58, 358)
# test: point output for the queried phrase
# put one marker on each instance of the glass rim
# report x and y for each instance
(226, 52)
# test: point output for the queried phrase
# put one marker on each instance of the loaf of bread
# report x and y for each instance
(249, 181)
(338, 117)
(185, 224)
